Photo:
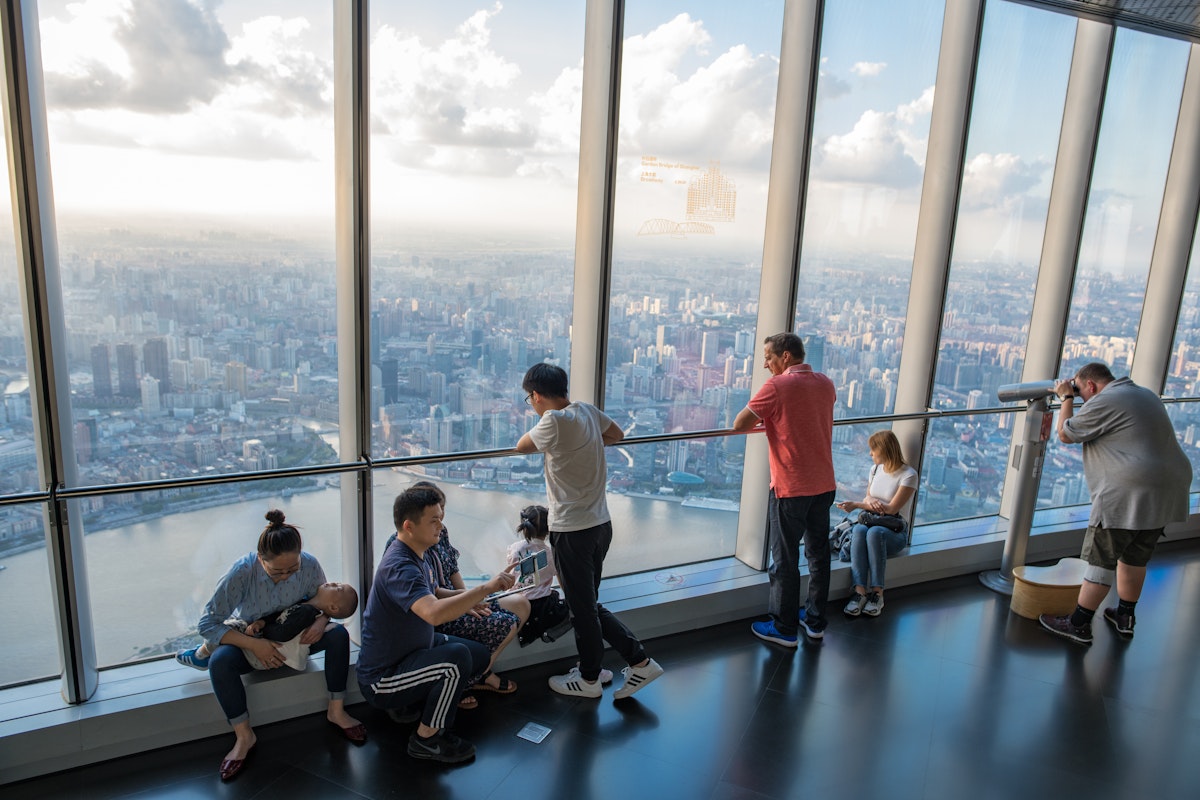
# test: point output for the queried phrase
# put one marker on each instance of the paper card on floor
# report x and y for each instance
(534, 732)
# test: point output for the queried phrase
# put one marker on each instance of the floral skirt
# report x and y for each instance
(489, 631)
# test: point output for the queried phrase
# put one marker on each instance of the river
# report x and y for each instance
(149, 581)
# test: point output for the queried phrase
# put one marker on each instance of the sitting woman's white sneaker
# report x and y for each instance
(873, 605)
(855, 606)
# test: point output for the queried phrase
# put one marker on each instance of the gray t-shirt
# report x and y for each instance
(1137, 473)
(572, 441)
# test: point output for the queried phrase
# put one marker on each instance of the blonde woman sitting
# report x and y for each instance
(890, 489)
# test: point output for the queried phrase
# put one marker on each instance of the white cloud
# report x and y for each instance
(148, 55)
(722, 109)
(999, 180)
(868, 69)
(450, 104)
(884, 148)
(166, 76)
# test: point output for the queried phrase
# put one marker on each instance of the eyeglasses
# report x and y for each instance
(280, 573)
(529, 398)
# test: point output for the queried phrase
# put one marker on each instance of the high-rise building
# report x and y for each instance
(710, 345)
(157, 362)
(389, 370)
(151, 391)
(102, 386)
(235, 377)
(127, 378)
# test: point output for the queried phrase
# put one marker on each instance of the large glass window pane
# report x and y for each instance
(192, 150)
(25, 585)
(871, 129)
(475, 150)
(1183, 372)
(184, 541)
(1024, 62)
(24, 572)
(963, 472)
(1132, 155)
(671, 503)
(697, 109)
(18, 464)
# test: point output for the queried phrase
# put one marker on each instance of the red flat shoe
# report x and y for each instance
(231, 767)
(355, 733)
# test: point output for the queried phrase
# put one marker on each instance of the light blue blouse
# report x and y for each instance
(248, 593)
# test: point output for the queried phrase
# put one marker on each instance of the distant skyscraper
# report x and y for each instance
(235, 377)
(709, 346)
(101, 372)
(151, 402)
(441, 430)
(743, 343)
(936, 471)
(376, 334)
(127, 381)
(181, 374)
(157, 362)
(389, 374)
(814, 352)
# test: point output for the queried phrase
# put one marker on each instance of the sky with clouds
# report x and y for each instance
(209, 108)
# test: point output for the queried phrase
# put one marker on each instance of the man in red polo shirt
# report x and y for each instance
(795, 409)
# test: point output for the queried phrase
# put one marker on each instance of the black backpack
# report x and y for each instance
(549, 619)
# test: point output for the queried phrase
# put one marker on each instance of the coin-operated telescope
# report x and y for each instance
(1028, 455)
(1031, 390)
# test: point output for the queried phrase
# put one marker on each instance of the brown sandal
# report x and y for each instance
(468, 702)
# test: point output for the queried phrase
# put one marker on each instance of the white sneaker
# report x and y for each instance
(874, 604)
(636, 678)
(574, 685)
(606, 675)
(854, 606)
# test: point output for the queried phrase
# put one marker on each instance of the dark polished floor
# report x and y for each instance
(946, 695)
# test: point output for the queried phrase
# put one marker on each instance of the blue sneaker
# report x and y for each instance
(188, 659)
(808, 629)
(767, 632)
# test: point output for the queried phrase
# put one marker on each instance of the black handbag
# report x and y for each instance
(893, 522)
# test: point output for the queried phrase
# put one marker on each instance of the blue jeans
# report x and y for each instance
(870, 549)
(228, 664)
(790, 520)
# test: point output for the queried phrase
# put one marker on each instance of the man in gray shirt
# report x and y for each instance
(1139, 479)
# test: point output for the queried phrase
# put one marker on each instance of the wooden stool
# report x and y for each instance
(1047, 590)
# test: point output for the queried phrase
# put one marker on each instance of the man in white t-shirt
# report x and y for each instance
(572, 437)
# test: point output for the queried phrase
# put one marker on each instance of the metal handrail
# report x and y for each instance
(367, 463)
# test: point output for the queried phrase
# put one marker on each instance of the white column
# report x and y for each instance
(597, 175)
(934, 246)
(353, 252)
(795, 99)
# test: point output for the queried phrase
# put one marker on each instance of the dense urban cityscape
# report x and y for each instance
(217, 353)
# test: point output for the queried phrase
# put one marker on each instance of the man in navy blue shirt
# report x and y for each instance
(403, 662)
